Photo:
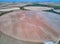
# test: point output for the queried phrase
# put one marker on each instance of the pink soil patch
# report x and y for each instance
(29, 27)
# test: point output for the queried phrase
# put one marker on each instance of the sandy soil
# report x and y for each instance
(30, 26)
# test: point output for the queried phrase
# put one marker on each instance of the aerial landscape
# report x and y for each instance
(29, 23)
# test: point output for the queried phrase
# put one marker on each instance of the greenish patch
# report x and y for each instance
(22, 8)
(52, 11)
(58, 42)
(2, 13)
(39, 5)
(35, 4)
(43, 5)
(0, 34)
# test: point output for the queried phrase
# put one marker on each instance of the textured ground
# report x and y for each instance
(36, 26)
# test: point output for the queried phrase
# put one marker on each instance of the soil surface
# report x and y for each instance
(34, 26)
